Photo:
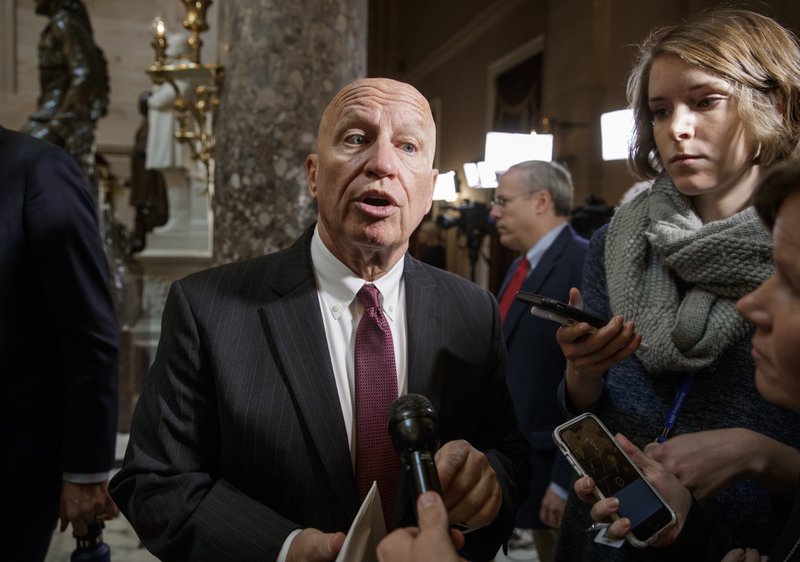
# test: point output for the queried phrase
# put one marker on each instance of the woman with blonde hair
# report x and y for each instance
(716, 101)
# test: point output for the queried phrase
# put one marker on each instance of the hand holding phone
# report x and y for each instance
(593, 451)
(560, 312)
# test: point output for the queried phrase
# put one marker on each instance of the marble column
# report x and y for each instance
(284, 60)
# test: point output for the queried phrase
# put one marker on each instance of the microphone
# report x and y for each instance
(414, 431)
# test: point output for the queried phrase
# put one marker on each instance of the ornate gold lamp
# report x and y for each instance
(195, 107)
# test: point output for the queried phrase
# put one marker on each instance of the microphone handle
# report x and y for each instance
(423, 473)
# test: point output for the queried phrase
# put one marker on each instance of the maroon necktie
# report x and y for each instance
(513, 286)
(376, 389)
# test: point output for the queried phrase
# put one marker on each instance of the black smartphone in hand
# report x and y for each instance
(592, 451)
(560, 312)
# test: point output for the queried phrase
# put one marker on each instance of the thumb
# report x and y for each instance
(312, 545)
(333, 544)
(431, 513)
(636, 454)
(575, 298)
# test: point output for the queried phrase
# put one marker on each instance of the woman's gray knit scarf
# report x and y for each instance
(657, 238)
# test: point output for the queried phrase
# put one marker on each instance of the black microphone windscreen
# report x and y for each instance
(409, 403)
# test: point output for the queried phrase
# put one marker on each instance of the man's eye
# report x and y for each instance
(356, 139)
(408, 147)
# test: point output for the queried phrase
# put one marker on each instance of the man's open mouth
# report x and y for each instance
(377, 201)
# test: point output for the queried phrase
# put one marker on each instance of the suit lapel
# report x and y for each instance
(293, 322)
(536, 279)
(425, 315)
(423, 318)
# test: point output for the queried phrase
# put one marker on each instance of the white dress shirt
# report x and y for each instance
(337, 287)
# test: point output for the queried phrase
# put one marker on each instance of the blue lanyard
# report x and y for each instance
(675, 408)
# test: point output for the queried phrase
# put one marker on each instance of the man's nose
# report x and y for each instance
(382, 159)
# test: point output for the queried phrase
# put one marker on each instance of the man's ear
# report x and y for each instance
(434, 176)
(542, 200)
(311, 175)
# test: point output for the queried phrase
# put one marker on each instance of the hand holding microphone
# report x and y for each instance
(414, 431)
(458, 472)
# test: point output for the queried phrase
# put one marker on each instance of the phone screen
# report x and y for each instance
(601, 458)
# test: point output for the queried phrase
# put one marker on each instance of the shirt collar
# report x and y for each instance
(534, 255)
(338, 285)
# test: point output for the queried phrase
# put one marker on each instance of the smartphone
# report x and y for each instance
(592, 451)
(560, 312)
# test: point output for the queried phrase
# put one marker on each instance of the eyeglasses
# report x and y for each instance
(503, 202)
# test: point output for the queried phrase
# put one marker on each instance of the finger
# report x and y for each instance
(458, 538)
(474, 497)
(548, 517)
(111, 508)
(584, 488)
(450, 459)
(735, 555)
(603, 510)
(431, 513)
(479, 508)
(619, 528)
(79, 527)
(567, 335)
(615, 340)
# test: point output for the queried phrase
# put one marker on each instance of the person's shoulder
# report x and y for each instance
(259, 269)
(18, 145)
(575, 241)
(231, 270)
(443, 280)
(599, 235)
(24, 154)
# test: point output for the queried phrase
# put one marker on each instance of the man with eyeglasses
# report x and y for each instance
(531, 208)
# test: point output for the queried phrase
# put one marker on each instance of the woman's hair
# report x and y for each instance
(757, 56)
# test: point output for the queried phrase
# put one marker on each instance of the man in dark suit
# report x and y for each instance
(58, 350)
(531, 208)
(244, 444)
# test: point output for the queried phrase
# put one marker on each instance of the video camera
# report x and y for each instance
(472, 221)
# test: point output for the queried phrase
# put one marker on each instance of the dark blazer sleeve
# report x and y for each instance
(59, 330)
(172, 485)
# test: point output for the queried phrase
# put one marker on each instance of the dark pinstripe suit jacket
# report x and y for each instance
(238, 437)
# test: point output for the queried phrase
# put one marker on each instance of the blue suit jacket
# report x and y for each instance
(536, 363)
(58, 329)
(238, 436)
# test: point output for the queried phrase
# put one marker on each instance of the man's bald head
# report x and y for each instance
(364, 90)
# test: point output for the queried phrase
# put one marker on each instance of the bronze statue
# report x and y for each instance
(148, 188)
(73, 77)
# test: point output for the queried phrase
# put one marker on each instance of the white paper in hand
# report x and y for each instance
(367, 530)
